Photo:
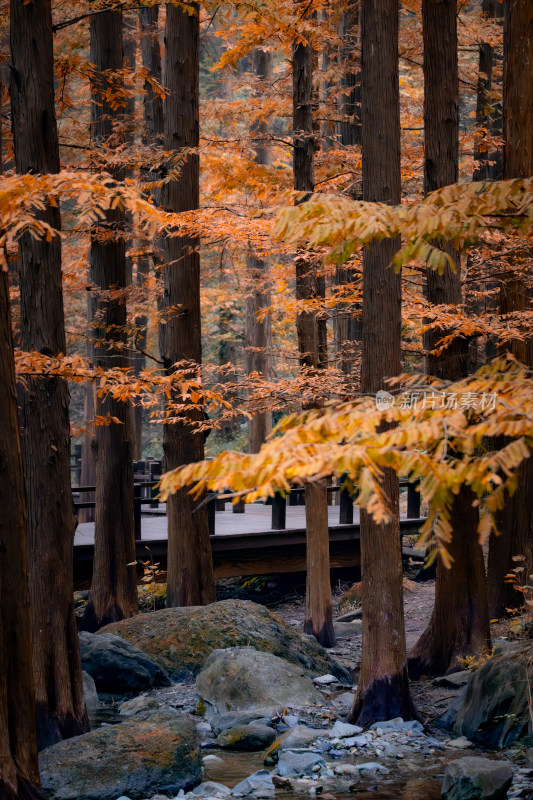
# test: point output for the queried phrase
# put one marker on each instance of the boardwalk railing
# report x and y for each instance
(145, 493)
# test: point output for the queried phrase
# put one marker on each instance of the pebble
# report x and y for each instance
(324, 680)
(461, 743)
(342, 730)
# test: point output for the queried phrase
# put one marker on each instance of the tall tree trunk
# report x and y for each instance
(349, 103)
(114, 585)
(488, 112)
(347, 321)
(88, 461)
(19, 769)
(258, 333)
(312, 344)
(60, 703)
(190, 564)
(383, 691)
(515, 521)
(152, 137)
(460, 621)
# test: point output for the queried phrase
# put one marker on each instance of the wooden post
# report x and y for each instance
(220, 504)
(137, 492)
(413, 500)
(211, 501)
(239, 507)
(279, 509)
(155, 474)
(345, 505)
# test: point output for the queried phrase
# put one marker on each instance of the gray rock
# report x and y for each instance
(448, 719)
(221, 722)
(344, 729)
(144, 704)
(343, 702)
(350, 616)
(89, 691)
(117, 666)
(494, 707)
(529, 757)
(475, 778)
(259, 783)
(324, 680)
(461, 743)
(372, 766)
(291, 764)
(181, 639)
(241, 678)
(137, 759)
(358, 741)
(411, 726)
(454, 681)
(211, 789)
(246, 737)
(300, 737)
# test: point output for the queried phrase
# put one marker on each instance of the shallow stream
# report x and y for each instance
(422, 785)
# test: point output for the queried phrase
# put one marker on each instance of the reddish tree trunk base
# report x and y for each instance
(24, 790)
(459, 625)
(387, 697)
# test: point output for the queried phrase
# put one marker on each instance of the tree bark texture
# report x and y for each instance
(19, 769)
(60, 703)
(312, 345)
(383, 691)
(258, 333)
(488, 111)
(460, 622)
(114, 585)
(349, 103)
(152, 137)
(459, 625)
(88, 460)
(515, 521)
(190, 564)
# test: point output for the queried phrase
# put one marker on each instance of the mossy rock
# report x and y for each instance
(137, 758)
(181, 639)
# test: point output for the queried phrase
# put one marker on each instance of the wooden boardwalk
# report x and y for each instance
(243, 544)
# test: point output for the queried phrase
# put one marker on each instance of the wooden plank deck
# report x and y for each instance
(243, 544)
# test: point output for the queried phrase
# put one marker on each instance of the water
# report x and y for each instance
(423, 786)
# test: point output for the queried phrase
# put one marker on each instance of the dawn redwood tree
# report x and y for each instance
(515, 521)
(488, 111)
(347, 322)
(459, 624)
(19, 768)
(190, 564)
(113, 593)
(383, 691)
(150, 48)
(312, 345)
(60, 703)
(257, 333)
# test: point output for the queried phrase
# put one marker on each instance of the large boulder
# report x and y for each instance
(117, 666)
(240, 678)
(181, 639)
(476, 779)
(137, 758)
(493, 709)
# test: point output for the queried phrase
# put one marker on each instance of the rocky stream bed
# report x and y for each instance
(232, 700)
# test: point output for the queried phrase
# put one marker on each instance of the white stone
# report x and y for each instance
(342, 730)
(323, 680)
